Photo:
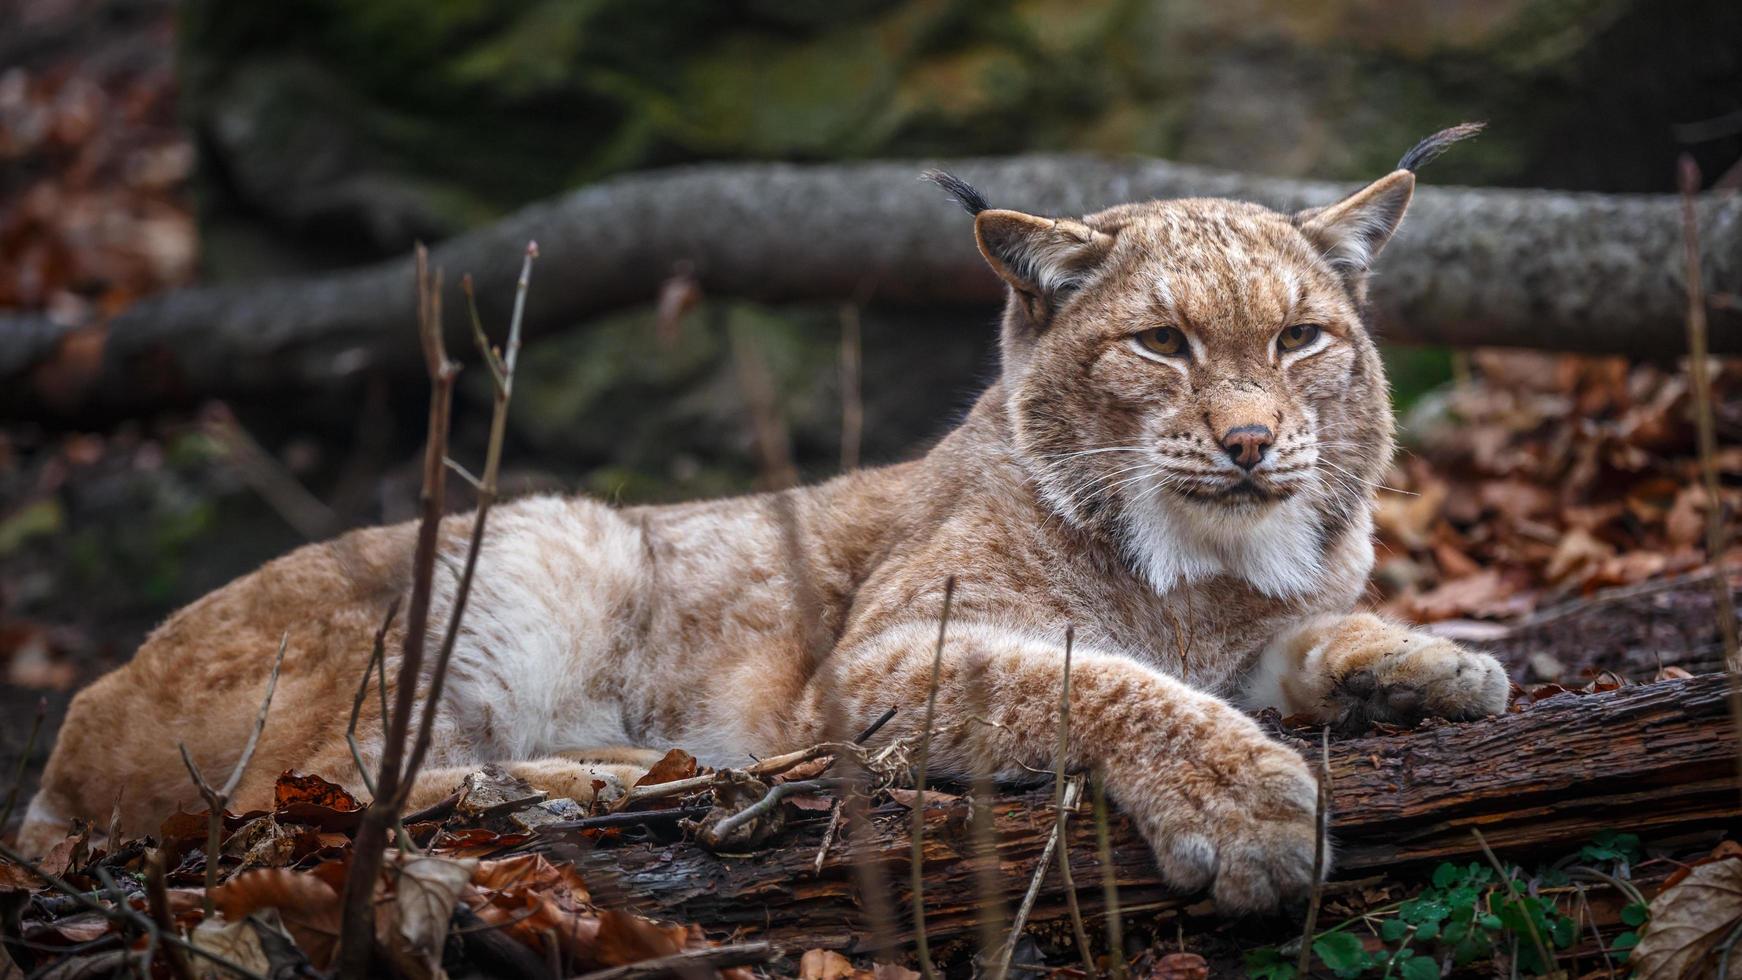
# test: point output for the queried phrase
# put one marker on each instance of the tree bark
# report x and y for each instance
(1580, 272)
(1652, 759)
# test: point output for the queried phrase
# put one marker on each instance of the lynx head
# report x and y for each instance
(1192, 378)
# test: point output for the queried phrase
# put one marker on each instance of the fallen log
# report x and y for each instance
(1578, 272)
(1655, 759)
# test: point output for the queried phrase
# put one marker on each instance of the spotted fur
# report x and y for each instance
(1089, 487)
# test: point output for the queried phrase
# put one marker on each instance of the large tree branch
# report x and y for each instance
(1653, 759)
(1569, 271)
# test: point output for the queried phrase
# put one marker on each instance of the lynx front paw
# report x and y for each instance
(1240, 821)
(1411, 676)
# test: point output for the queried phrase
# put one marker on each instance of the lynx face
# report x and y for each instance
(1193, 380)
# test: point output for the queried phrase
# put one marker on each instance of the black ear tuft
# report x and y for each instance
(961, 190)
(1429, 149)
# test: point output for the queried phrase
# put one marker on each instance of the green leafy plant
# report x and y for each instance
(1464, 914)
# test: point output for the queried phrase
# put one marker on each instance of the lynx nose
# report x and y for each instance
(1246, 444)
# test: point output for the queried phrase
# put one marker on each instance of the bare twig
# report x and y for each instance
(1061, 815)
(23, 761)
(828, 836)
(724, 829)
(1698, 364)
(633, 818)
(875, 726)
(356, 938)
(852, 401)
(275, 484)
(1001, 966)
(693, 962)
(769, 429)
(988, 879)
(157, 904)
(1109, 884)
(502, 380)
(122, 914)
(774, 765)
(1321, 822)
(1548, 961)
(916, 866)
(219, 799)
(377, 665)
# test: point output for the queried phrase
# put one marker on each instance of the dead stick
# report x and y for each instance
(687, 963)
(23, 761)
(357, 921)
(1109, 881)
(1069, 799)
(377, 663)
(1548, 961)
(219, 800)
(502, 381)
(1321, 821)
(1060, 814)
(1689, 175)
(916, 866)
(852, 402)
(123, 914)
(157, 904)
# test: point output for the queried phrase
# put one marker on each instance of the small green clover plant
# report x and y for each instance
(1466, 913)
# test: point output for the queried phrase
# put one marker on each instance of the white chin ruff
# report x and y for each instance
(1275, 549)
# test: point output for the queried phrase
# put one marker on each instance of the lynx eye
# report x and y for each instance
(1297, 336)
(1166, 341)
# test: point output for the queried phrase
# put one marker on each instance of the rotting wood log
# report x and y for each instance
(1655, 759)
(1579, 272)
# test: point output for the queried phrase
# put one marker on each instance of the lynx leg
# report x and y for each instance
(1349, 670)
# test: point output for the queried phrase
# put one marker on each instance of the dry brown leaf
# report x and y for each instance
(677, 764)
(235, 941)
(425, 891)
(824, 964)
(1688, 922)
(1180, 966)
(307, 798)
(625, 938)
(308, 906)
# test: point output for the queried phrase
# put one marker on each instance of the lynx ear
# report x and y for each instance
(1351, 232)
(1039, 256)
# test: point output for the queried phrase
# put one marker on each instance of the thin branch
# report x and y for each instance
(1548, 961)
(875, 726)
(123, 914)
(1061, 814)
(376, 665)
(828, 836)
(1321, 822)
(690, 963)
(1001, 965)
(988, 876)
(217, 801)
(1109, 882)
(916, 866)
(1698, 364)
(852, 400)
(24, 761)
(503, 381)
(723, 830)
(157, 904)
(357, 922)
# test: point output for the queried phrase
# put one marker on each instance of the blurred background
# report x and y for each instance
(146, 145)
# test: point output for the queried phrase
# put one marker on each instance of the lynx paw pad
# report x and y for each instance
(1420, 677)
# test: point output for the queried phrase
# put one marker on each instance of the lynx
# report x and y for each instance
(1177, 459)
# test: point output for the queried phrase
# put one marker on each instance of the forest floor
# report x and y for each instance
(1546, 507)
